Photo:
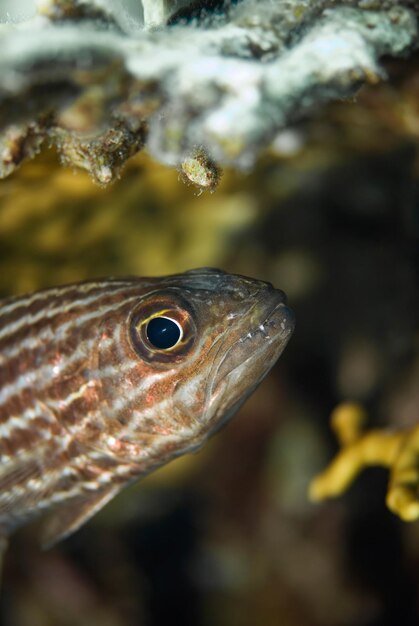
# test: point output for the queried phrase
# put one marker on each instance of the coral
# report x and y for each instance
(17, 143)
(102, 155)
(173, 77)
(397, 450)
(201, 171)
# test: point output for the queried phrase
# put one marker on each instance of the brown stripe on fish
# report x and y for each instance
(25, 367)
(13, 307)
(68, 473)
(57, 313)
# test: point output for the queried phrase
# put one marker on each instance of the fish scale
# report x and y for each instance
(89, 403)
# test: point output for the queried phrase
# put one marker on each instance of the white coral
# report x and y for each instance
(228, 84)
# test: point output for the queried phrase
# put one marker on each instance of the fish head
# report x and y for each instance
(188, 352)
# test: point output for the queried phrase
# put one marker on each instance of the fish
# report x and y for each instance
(104, 381)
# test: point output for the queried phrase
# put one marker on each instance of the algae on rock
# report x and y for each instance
(101, 79)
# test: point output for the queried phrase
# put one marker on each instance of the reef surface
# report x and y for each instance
(100, 80)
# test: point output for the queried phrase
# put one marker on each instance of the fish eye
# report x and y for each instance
(161, 328)
(163, 332)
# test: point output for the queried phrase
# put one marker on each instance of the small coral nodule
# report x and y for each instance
(397, 450)
(201, 171)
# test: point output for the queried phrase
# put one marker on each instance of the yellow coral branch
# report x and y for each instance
(399, 451)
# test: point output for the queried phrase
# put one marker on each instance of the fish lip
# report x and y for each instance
(269, 331)
(287, 324)
(269, 335)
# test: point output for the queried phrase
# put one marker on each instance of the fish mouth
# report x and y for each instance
(258, 340)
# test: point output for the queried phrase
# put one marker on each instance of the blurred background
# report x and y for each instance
(228, 537)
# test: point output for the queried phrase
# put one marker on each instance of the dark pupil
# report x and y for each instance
(163, 333)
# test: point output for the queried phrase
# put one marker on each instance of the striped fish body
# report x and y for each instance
(92, 396)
